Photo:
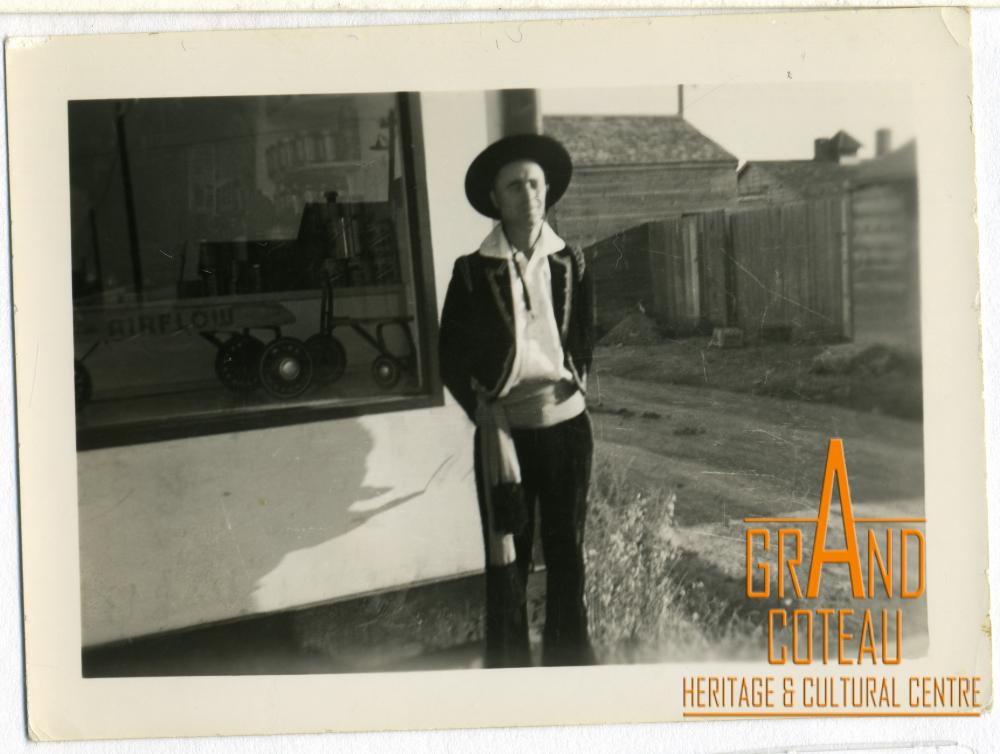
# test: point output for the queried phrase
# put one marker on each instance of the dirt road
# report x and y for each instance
(730, 455)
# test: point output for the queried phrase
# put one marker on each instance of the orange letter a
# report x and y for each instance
(836, 466)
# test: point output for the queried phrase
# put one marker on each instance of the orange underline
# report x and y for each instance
(859, 520)
(833, 714)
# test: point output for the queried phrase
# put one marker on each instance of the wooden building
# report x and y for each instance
(884, 250)
(782, 181)
(629, 170)
(836, 259)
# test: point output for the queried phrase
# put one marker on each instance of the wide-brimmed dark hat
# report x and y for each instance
(550, 155)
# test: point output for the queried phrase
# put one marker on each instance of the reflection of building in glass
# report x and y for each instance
(219, 170)
(286, 214)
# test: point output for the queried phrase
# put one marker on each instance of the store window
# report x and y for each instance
(247, 261)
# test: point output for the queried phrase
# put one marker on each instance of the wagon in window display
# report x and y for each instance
(252, 352)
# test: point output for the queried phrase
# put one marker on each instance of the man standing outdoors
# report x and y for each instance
(515, 347)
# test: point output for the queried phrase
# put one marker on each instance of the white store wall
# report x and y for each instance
(179, 533)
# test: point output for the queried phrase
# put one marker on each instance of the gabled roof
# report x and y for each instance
(805, 176)
(594, 140)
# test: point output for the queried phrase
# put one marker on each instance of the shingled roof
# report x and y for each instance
(808, 177)
(596, 140)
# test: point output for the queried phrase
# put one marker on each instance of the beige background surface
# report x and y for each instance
(482, 58)
(64, 6)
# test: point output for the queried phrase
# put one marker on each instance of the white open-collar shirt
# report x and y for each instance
(538, 356)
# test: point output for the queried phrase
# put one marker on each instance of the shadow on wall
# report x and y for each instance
(420, 469)
(187, 532)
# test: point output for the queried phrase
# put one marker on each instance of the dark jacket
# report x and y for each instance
(476, 346)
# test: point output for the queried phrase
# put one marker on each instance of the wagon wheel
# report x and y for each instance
(385, 372)
(83, 385)
(286, 368)
(236, 363)
(328, 356)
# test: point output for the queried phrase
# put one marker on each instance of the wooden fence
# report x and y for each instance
(776, 272)
(689, 270)
(792, 275)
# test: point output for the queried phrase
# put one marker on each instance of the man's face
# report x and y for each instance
(519, 192)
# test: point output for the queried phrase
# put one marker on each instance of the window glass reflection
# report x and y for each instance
(235, 255)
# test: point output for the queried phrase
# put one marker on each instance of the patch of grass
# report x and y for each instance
(648, 599)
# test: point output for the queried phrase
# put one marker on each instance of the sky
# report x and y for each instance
(774, 121)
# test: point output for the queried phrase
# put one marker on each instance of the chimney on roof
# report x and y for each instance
(824, 151)
(680, 100)
(883, 142)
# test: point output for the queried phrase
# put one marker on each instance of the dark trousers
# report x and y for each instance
(555, 470)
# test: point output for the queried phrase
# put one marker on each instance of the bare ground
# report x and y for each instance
(679, 467)
(730, 455)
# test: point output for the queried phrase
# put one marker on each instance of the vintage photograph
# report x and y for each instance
(404, 372)
(298, 454)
